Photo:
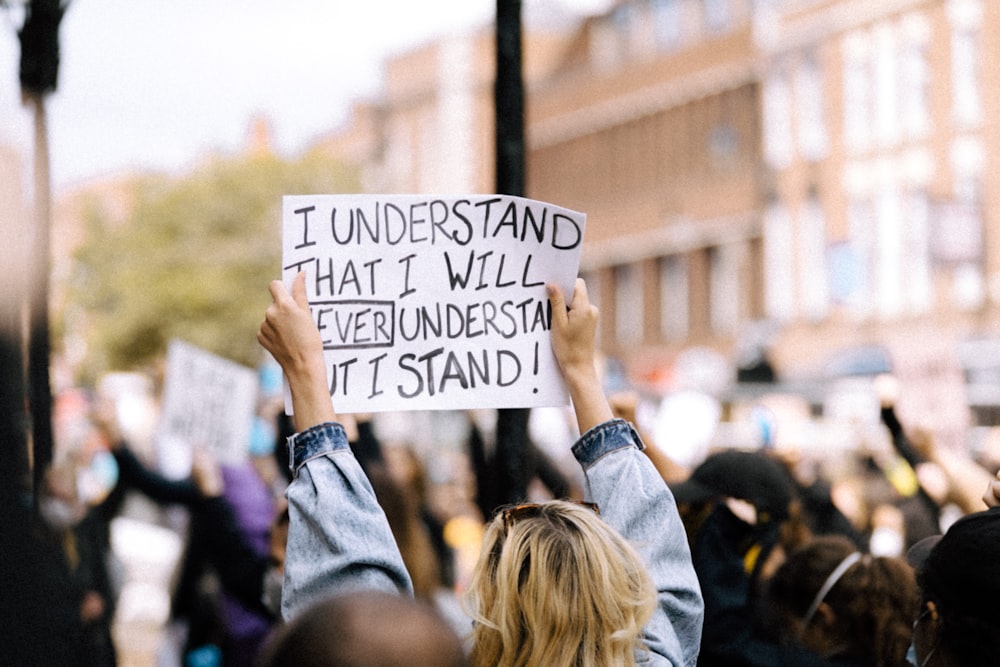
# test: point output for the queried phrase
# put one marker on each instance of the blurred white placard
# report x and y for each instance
(208, 401)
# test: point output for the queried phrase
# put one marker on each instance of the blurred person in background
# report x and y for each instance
(405, 479)
(248, 490)
(958, 576)
(50, 614)
(741, 516)
(814, 490)
(218, 604)
(413, 537)
(948, 479)
(492, 470)
(851, 609)
(79, 559)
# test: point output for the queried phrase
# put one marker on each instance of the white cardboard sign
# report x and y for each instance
(433, 302)
(208, 401)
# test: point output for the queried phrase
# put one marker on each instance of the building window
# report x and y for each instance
(812, 256)
(628, 305)
(886, 83)
(857, 91)
(915, 77)
(861, 241)
(724, 145)
(778, 148)
(968, 158)
(630, 29)
(623, 17)
(966, 102)
(919, 294)
(667, 24)
(889, 251)
(779, 276)
(966, 18)
(606, 46)
(809, 102)
(724, 289)
(718, 15)
(675, 319)
(967, 287)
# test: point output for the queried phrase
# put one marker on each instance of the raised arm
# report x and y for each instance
(574, 332)
(632, 496)
(338, 536)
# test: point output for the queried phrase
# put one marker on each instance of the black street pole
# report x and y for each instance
(28, 587)
(509, 100)
(39, 72)
(512, 424)
(15, 465)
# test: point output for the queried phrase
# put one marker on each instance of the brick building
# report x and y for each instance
(882, 202)
(651, 126)
(810, 175)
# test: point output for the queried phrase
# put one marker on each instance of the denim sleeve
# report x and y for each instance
(634, 500)
(338, 537)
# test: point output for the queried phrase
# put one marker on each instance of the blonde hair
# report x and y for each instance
(559, 588)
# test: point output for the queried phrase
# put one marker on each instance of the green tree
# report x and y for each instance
(191, 261)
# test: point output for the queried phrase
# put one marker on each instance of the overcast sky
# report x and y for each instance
(155, 84)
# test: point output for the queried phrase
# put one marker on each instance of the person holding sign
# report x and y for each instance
(557, 583)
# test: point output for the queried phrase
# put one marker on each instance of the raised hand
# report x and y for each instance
(289, 333)
(574, 332)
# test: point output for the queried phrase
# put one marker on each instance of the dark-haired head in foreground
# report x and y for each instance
(365, 629)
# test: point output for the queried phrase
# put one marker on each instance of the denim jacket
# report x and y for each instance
(339, 539)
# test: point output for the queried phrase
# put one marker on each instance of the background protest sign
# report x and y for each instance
(430, 303)
(208, 401)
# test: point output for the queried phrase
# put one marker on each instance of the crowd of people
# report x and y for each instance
(323, 550)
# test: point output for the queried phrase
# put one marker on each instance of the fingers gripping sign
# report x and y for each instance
(574, 333)
(574, 327)
(290, 334)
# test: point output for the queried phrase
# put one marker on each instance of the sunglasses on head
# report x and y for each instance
(512, 515)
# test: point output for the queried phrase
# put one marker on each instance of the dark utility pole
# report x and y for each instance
(39, 73)
(509, 100)
(512, 424)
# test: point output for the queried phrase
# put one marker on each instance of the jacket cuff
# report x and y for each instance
(314, 442)
(605, 438)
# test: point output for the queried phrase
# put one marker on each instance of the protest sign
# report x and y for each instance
(208, 401)
(430, 303)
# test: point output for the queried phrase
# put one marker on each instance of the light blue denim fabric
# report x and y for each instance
(635, 501)
(338, 537)
(339, 540)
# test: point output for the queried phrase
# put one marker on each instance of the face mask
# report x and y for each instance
(59, 514)
(96, 481)
(262, 437)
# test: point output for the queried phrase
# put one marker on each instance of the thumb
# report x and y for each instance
(557, 301)
(299, 290)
